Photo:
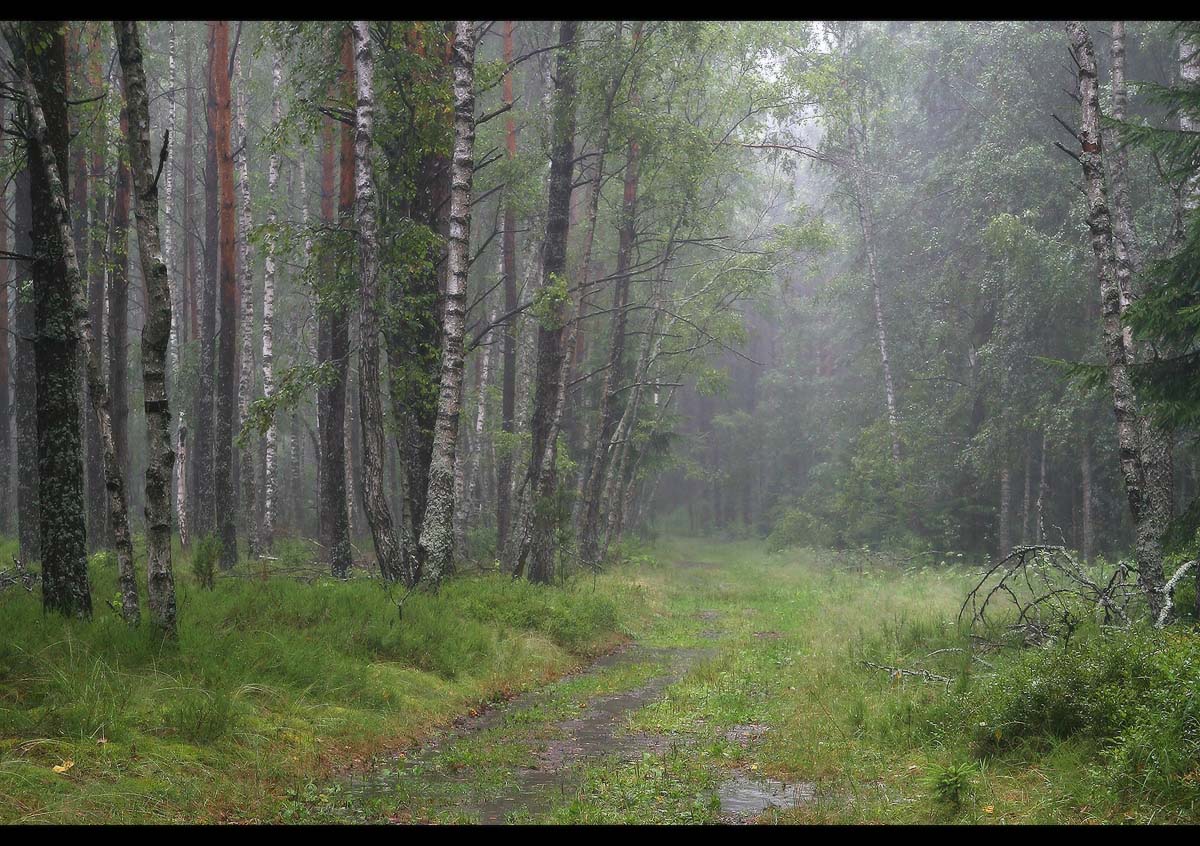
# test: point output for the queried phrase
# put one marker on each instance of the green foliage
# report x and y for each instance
(103, 559)
(206, 552)
(799, 528)
(550, 301)
(952, 782)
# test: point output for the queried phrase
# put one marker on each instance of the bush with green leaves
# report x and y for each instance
(950, 783)
(799, 528)
(205, 556)
(1130, 693)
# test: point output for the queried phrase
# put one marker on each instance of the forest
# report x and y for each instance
(591, 422)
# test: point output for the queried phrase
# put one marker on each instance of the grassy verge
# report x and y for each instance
(1103, 729)
(275, 686)
(272, 685)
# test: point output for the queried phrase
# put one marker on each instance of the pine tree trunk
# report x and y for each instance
(614, 375)
(169, 205)
(508, 252)
(436, 541)
(1005, 531)
(25, 390)
(79, 221)
(226, 396)
(98, 530)
(156, 333)
(204, 515)
(1085, 472)
(5, 426)
(331, 408)
(1043, 494)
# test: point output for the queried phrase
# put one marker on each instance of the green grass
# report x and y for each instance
(272, 684)
(277, 686)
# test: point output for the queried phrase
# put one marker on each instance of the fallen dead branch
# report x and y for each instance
(900, 672)
(1051, 593)
(18, 575)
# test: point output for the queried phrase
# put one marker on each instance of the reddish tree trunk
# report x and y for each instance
(226, 396)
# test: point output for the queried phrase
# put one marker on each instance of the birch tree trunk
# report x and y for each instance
(118, 312)
(155, 334)
(246, 375)
(1149, 522)
(268, 318)
(379, 516)
(1189, 76)
(436, 541)
(188, 327)
(867, 226)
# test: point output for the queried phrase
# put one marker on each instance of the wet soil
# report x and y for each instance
(559, 749)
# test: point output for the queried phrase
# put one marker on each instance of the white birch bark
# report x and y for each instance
(246, 372)
(436, 543)
(268, 337)
(379, 516)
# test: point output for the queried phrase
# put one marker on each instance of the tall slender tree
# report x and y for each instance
(25, 390)
(40, 54)
(226, 395)
(1146, 505)
(268, 318)
(118, 313)
(536, 545)
(508, 262)
(437, 536)
(246, 453)
(155, 334)
(379, 516)
(331, 407)
(5, 425)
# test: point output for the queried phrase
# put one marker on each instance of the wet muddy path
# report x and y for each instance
(555, 753)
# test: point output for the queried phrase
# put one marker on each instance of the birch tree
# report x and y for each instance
(436, 542)
(379, 516)
(156, 333)
(1145, 507)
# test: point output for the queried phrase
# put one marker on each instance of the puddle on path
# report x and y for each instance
(594, 733)
(743, 797)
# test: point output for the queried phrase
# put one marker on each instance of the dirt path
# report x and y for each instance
(545, 750)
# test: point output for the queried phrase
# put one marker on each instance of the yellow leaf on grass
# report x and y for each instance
(987, 809)
(64, 766)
